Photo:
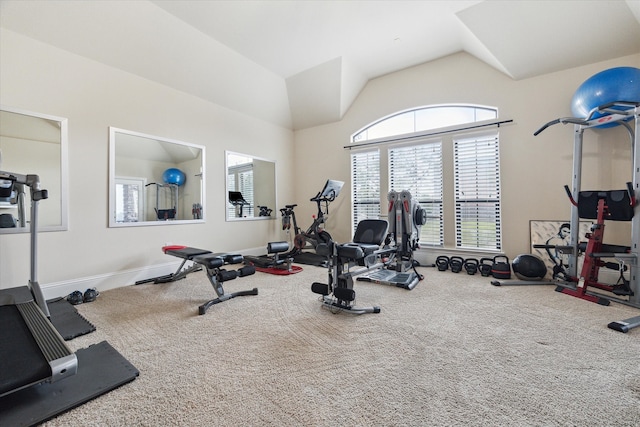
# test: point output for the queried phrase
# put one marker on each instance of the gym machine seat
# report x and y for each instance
(369, 235)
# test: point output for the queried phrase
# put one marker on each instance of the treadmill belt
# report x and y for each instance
(20, 357)
(100, 369)
(66, 319)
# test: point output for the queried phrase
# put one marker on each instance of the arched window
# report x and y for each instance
(424, 119)
(411, 148)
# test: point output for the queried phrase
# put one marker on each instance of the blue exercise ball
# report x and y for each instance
(614, 84)
(174, 176)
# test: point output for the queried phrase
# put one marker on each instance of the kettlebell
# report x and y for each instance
(501, 269)
(471, 266)
(456, 263)
(442, 262)
(485, 266)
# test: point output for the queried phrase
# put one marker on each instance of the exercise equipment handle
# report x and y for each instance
(632, 194)
(563, 120)
(546, 125)
(320, 198)
(571, 199)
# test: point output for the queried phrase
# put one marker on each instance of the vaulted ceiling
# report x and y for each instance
(300, 64)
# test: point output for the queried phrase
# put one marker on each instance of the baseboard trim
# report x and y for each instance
(103, 282)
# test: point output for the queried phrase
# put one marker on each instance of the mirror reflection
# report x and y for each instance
(153, 180)
(251, 187)
(33, 143)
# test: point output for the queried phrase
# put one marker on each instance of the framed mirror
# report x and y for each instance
(154, 180)
(251, 187)
(34, 143)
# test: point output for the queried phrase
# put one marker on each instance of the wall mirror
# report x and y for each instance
(34, 143)
(251, 187)
(154, 181)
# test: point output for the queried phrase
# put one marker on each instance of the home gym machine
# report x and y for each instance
(212, 263)
(405, 219)
(338, 294)
(316, 234)
(31, 349)
(618, 205)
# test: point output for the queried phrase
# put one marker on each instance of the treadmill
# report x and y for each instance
(31, 349)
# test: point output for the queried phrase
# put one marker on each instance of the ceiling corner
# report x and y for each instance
(324, 93)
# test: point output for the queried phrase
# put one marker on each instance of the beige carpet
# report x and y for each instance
(453, 351)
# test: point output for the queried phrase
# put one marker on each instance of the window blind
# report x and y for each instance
(477, 192)
(365, 186)
(418, 169)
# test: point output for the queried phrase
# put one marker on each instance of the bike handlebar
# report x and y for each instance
(318, 198)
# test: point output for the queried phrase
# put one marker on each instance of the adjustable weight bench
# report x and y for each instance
(184, 252)
(212, 263)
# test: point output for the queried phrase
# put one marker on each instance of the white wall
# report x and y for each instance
(534, 169)
(40, 78)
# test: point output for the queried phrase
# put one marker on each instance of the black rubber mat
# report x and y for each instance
(66, 319)
(100, 369)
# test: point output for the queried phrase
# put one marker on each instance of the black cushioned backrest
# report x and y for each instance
(371, 231)
(617, 201)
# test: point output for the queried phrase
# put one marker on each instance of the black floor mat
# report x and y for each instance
(100, 369)
(69, 323)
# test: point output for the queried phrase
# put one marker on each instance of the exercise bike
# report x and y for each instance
(315, 235)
